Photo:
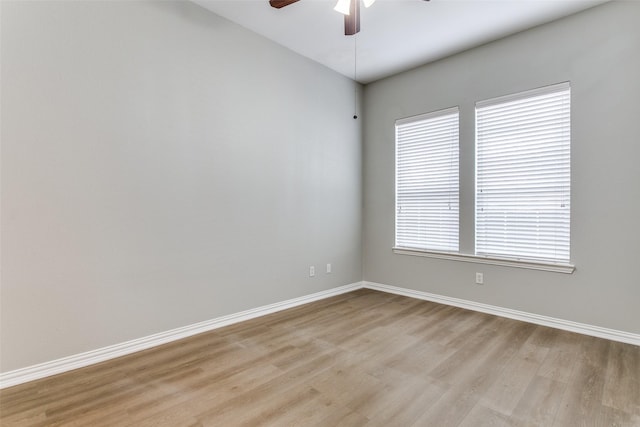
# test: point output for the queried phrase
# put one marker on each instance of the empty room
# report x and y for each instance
(319, 213)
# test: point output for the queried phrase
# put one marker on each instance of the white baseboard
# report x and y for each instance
(567, 325)
(65, 364)
(42, 370)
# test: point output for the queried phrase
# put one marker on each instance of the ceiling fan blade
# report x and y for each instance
(281, 3)
(352, 20)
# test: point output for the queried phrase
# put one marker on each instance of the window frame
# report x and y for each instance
(488, 244)
(506, 261)
(443, 114)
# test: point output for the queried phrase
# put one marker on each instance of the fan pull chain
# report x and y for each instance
(355, 75)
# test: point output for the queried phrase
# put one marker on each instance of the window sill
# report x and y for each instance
(506, 262)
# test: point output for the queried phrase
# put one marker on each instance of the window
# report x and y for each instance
(523, 175)
(427, 187)
(522, 183)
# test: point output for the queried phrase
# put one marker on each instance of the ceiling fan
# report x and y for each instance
(349, 8)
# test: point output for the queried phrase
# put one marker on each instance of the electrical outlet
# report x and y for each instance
(479, 278)
(312, 271)
(328, 268)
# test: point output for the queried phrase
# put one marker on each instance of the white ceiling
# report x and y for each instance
(395, 35)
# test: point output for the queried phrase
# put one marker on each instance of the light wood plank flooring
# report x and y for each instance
(361, 359)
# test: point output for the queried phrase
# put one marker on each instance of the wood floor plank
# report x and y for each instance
(490, 354)
(450, 409)
(544, 337)
(341, 417)
(539, 403)
(397, 404)
(363, 358)
(345, 385)
(582, 400)
(418, 359)
(560, 360)
(517, 374)
(622, 379)
(481, 416)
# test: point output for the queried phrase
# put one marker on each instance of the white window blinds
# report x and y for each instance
(427, 187)
(523, 146)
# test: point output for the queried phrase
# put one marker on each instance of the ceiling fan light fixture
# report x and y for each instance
(343, 6)
(368, 3)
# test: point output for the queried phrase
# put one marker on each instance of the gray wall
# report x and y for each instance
(162, 166)
(599, 52)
